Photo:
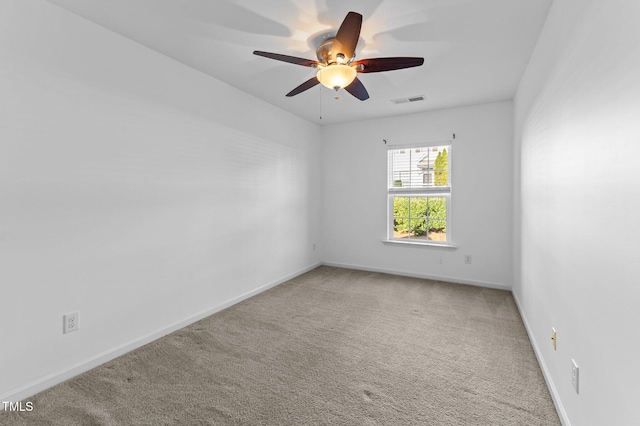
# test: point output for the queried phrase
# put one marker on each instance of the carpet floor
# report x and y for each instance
(332, 346)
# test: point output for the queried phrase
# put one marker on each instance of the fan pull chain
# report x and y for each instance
(320, 99)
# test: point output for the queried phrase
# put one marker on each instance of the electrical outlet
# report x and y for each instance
(553, 338)
(575, 371)
(71, 322)
(468, 259)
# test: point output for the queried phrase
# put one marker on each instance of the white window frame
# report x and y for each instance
(440, 192)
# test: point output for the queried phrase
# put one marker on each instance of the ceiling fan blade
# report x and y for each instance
(356, 88)
(286, 58)
(347, 36)
(304, 86)
(386, 64)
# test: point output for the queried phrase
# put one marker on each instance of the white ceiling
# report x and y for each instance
(475, 50)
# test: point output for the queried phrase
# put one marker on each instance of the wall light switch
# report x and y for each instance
(575, 372)
(553, 338)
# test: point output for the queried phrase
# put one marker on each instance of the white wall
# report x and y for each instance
(354, 211)
(134, 190)
(577, 131)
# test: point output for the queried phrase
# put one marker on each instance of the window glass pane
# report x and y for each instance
(437, 213)
(418, 207)
(418, 181)
(400, 217)
(418, 229)
(441, 168)
(436, 235)
(420, 218)
(419, 168)
(437, 208)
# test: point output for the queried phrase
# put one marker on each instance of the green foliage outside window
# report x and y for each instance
(417, 215)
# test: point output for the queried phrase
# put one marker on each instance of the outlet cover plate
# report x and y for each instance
(71, 322)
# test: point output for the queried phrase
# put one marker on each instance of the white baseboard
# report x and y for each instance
(30, 389)
(456, 280)
(564, 419)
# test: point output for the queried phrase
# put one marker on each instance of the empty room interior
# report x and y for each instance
(190, 209)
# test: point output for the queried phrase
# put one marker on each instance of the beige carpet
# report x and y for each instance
(333, 346)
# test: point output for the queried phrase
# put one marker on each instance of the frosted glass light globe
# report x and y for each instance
(336, 76)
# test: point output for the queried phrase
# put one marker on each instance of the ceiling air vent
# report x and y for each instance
(408, 100)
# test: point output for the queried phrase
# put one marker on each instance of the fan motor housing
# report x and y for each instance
(323, 52)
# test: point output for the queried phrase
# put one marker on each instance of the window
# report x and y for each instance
(419, 193)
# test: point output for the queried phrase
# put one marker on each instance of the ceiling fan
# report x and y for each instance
(336, 64)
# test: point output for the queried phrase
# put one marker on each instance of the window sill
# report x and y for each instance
(419, 243)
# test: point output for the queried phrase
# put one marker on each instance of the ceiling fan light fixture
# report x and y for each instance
(335, 64)
(336, 76)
